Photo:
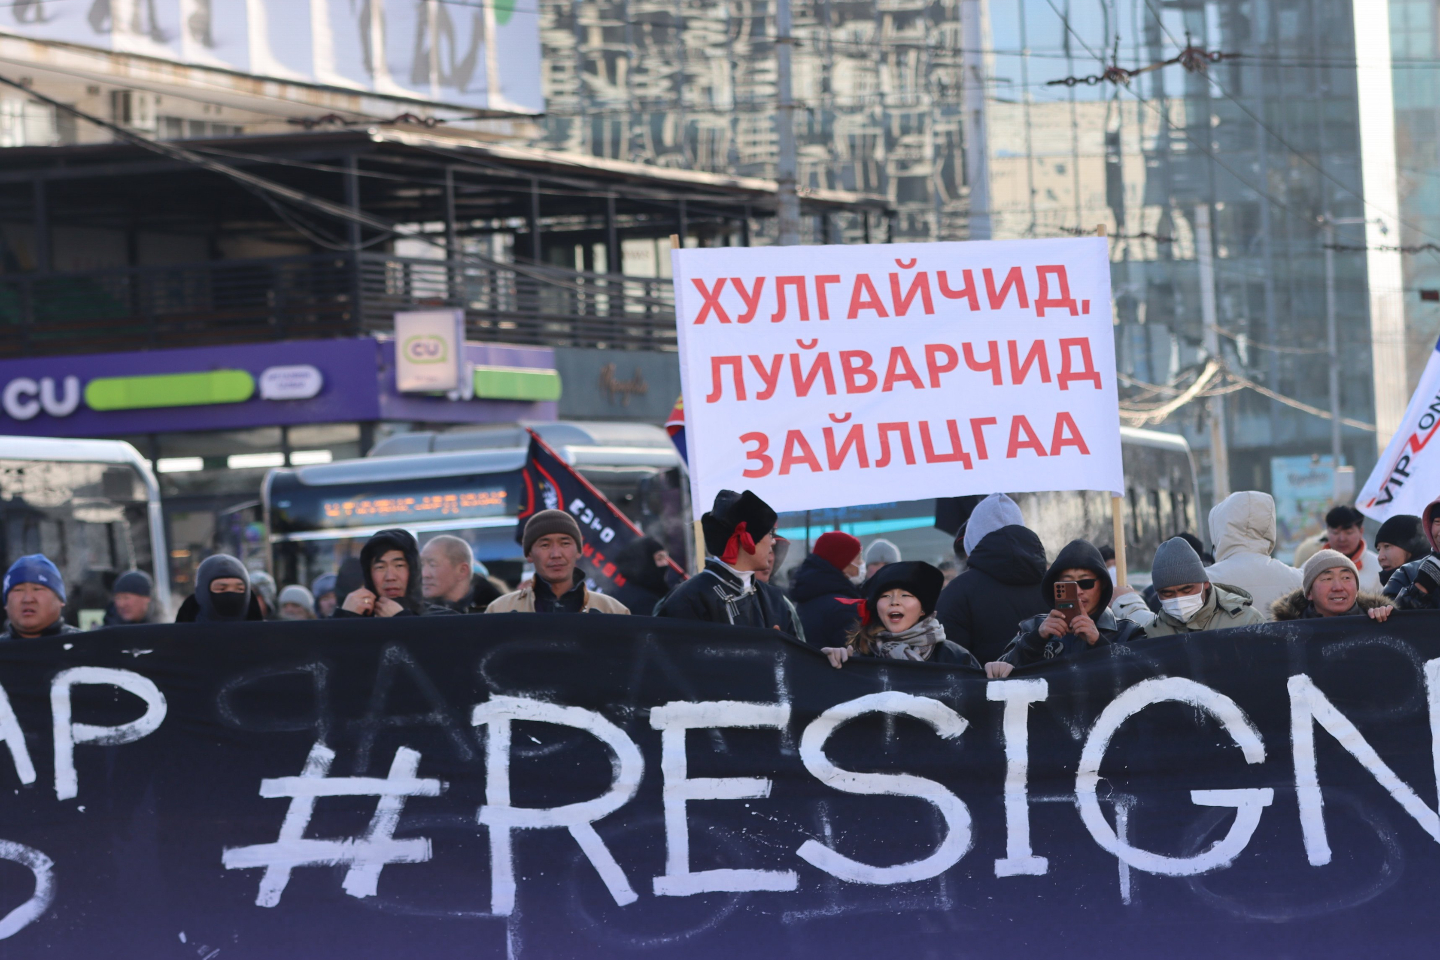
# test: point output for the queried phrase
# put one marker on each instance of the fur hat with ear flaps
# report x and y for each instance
(735, 519)
(915, 577)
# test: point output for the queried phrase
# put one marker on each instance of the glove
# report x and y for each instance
(1427, 577)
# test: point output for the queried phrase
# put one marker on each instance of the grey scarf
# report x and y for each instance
(917, 643)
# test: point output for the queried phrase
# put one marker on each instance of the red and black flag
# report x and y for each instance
(552, 484)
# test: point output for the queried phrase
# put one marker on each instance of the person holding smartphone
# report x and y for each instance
(1077, 587)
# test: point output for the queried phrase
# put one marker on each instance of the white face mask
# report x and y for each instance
(1183, 608)
(859, 578)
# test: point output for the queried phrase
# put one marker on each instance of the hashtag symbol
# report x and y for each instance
(366, 856)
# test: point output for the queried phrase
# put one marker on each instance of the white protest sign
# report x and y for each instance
(843, 375)
(1407, 475)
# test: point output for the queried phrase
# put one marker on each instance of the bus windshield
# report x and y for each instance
(93, 519)
(319, 516)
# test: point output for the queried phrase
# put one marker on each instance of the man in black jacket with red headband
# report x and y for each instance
(739, 539)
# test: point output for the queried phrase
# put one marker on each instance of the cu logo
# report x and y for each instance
(426, 348)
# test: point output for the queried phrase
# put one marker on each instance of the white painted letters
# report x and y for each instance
(948, 724)
(31, 910)
(579, 818)
(1309, 706)
(13, 737)
(1019, 859)
(69, 735)
(1248, 803)
(672, 720)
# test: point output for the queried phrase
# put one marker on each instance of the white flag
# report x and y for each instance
(1407, 476)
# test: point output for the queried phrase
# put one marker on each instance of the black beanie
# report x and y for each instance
(1406, 532)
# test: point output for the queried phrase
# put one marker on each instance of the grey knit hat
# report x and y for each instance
(1325, 560)
(882, 551)
(547, 522)
(1176, 563)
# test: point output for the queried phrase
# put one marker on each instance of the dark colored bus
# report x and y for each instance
(467, 483)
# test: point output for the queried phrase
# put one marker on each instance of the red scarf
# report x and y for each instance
(740, 538)
(862, 609)
(1359, 558)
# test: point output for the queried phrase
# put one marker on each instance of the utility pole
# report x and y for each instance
(788, 214)
(1219, 445)
(1332, 342)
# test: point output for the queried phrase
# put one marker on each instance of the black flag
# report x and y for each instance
(552, 484)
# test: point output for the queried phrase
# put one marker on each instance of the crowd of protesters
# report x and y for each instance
(1001, 608)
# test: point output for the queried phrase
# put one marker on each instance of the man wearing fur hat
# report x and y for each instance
(739, 539)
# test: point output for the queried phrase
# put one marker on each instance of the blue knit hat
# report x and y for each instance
(34, 568)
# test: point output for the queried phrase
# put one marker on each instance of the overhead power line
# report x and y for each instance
(1194, 59)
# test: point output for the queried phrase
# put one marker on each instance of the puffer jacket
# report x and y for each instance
(1029, 647)
(1400, 588)
(820, 593)
(998, 588)
(1242, 529)
(1295, 606)
(1226, 606)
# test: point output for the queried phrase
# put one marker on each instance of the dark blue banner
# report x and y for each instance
(608, 786)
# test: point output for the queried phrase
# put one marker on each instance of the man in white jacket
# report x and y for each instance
(1242, 529)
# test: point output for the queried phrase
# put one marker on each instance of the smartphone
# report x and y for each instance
(1067, 599)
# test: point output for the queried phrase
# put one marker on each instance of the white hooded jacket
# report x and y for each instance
(1242, 528)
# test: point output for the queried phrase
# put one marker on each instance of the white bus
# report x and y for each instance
(1161, 499)
(92, 507)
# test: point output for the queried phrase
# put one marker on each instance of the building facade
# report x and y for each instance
(1278, 122)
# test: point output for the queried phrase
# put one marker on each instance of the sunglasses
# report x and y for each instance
(1087, 584)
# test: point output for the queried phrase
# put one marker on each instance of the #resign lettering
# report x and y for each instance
(937, 369)
(659, 773)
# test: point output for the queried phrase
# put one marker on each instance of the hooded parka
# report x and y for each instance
(998, 588)
(644, 585)
(1400, 588)
(1030, 647)
(376, 547)
(1242, 528)
(826, 600)
(200, 606)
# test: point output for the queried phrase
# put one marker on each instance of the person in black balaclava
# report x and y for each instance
(222, 593)
(643, 563)
(390, 563)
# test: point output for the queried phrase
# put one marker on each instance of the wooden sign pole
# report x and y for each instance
(1117, 504)
(699, 534)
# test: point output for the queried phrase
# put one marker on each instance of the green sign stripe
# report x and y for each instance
(169, 390)
(516, 383)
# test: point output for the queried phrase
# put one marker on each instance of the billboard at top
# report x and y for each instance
(480, 54)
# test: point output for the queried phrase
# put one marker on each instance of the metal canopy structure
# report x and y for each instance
(529, 242)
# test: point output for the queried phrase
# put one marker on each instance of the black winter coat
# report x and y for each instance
(999, 587)
(637, 598)
(377, 546)
(818, 591)
(1029, 647)
(714, 596)
(1401, 589)
(482, 593)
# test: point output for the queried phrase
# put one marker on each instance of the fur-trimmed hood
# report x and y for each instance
(1293, 605)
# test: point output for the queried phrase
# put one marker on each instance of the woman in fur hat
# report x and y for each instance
(897, 620)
